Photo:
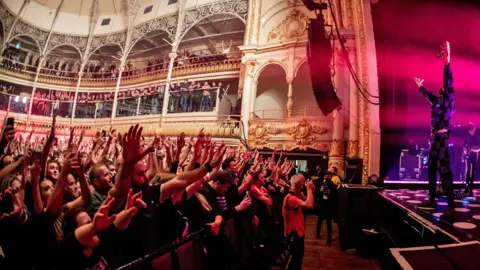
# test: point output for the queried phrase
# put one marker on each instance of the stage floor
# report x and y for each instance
(463, 228)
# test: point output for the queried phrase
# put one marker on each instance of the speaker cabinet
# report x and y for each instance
(357, 210)
(353, 170)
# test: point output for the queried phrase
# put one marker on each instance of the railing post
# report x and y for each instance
(166, 96)
(115, 101)
(80, 75)
(9, 103)
(138, 105)
(217, 103)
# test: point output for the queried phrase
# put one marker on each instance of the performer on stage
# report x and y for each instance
(443, 107)
(471, 146)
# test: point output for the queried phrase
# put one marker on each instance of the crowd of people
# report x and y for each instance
(195, 96)
(101, 202)
(56, 66)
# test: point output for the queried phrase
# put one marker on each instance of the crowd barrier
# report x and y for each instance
(247, 247)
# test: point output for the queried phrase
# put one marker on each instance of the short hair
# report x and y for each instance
(296, 178)
(108, 162)
(226, 162)
(94, 172)
(335, 169)
(222, 177)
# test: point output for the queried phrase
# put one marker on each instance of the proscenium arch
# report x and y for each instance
(105, 45)
(127, 52)
(26, 35)
(265, 65)
(201, 19)
(65, 45)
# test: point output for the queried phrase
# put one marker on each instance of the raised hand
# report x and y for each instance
(101, 220)
(134, 202)
(244, 204)
(132, 150)
(181, 141)
(216, 159)
(418, 81)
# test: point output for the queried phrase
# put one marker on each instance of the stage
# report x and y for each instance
(464, 227)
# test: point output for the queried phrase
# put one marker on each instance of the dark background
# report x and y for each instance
(408, 34)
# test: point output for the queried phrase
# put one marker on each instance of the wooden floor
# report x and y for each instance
(320, 256)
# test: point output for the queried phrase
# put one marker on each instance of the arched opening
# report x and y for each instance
(272, 90)
(103, 62)
(214, 38)
(148, 54)
(21, 53)
(303, 97)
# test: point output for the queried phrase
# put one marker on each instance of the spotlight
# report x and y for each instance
(24, 100)
(374, 180)
(17, 98)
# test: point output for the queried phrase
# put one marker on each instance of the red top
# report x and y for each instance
(293, 216)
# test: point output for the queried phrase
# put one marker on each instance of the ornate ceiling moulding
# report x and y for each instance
(198, 13)
(75, 41)
(166, 23)
(259, 134)
(302, 134)
(294, 25)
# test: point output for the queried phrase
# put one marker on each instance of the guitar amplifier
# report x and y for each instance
(410, 165)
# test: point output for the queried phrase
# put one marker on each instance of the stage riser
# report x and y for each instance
(406, 231)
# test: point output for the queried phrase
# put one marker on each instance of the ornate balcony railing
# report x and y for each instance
(129, 77)
(306, 129)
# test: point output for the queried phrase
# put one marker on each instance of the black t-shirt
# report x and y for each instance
(152, 226)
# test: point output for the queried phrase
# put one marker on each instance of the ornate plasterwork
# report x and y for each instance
(114, 38)
(353, 149)
(196, 14)
(7, 19)
(23, 29)
(294, 25)
(259, 134)
(302, 134)
(75, 41)
(293, 3)
(337, 148)
(166, 23)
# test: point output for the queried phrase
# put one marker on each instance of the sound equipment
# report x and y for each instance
(410, 165)
(353, 170)
(357, 210)
(319, 54)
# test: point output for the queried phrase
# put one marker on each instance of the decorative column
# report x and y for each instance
(337, 149)
(353, 124)
(74, 109)
(290, 104)
(166, 96)
(117, 87)
(247, 95)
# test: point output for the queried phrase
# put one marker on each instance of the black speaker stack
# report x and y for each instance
(357, 211)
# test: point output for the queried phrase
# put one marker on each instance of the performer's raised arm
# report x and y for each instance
(447, 71)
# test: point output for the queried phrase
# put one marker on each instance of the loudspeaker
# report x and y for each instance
(353, 170)
(357, 210)
(319, 54)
